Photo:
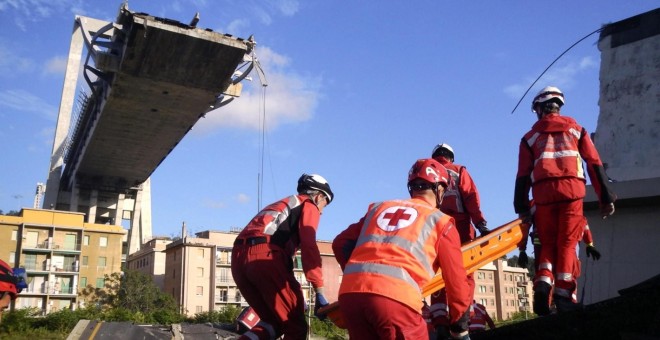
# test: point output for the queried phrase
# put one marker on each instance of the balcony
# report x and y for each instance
(47, 246)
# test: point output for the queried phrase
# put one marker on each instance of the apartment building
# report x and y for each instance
(502, 289)
(150, 260)
(198, 272)
(61, 254)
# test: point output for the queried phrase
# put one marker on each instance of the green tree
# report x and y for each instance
(132, 296)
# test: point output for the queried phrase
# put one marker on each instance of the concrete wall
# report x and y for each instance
(628, 140)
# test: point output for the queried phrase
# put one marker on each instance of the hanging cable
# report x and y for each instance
(262, 137)
(553, 62)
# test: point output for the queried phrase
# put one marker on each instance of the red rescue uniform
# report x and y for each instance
(479, 318)
(550, 162)
(461, 201)
(393, 251)
(262, 266)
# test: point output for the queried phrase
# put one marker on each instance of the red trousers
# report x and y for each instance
(560, 228)
(370, 316)
(264, 275)
(439, 309)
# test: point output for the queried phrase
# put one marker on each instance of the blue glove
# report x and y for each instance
(320, 302)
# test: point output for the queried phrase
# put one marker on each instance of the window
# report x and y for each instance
(198, 309)
(482, 289)
(199, 290)
(200, 271)
(102, 261)
(173, 273)
(12, 256)
(491, 289)
(480, 275)
(86, 240)
(83, 282)
(201, 253)
(223, 275)
(31, 261)
(14, 235)
(85, 260)
(224, 295)
(103, 241)
(100, 282)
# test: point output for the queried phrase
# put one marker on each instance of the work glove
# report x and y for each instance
(320, 302)
(483, 230)
(523, 260)
(593, 252)
(606, 210)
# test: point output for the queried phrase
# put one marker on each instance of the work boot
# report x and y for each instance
(542, 298)
(565, 304)
(441, 332)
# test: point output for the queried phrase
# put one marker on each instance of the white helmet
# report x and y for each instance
(315, 182)
(548, 93)
(443, 148)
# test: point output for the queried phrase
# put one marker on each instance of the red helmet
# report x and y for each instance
(429, 170)
(7, 280)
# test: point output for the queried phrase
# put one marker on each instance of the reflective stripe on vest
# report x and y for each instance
(401, 229)
(556, 147)
(280, 215)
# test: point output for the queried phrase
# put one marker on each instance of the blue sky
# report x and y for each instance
(356, 93)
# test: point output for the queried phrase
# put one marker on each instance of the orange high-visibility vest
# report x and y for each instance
(395, 254)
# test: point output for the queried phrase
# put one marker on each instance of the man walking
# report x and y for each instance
(550, 163)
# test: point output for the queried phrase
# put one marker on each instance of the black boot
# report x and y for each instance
(542, 298)
(565, 304)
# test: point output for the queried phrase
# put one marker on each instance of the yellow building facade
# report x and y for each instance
(60, 253)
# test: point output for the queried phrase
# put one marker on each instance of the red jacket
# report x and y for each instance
(550, 161)
(461, 198)
(396, 248)
(479, 318)
(291, 223)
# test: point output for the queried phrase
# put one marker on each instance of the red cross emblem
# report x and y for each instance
(394, 218)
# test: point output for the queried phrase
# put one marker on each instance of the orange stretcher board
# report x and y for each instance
(476, 254)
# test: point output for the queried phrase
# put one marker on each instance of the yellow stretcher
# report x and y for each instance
(476, 254)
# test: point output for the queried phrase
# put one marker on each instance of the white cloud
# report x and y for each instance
(24, 101)
(560, 75)
(290, 98)
(214, 204)
(55, 65)
(36, 10)
(10, 63)
(288, 7)
(243, 198)
(236, 26)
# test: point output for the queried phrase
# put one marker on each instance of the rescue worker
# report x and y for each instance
(461, 201)
(479, 318)
(12, 282)
(392, 252)
(262, 260)
(550, 163)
